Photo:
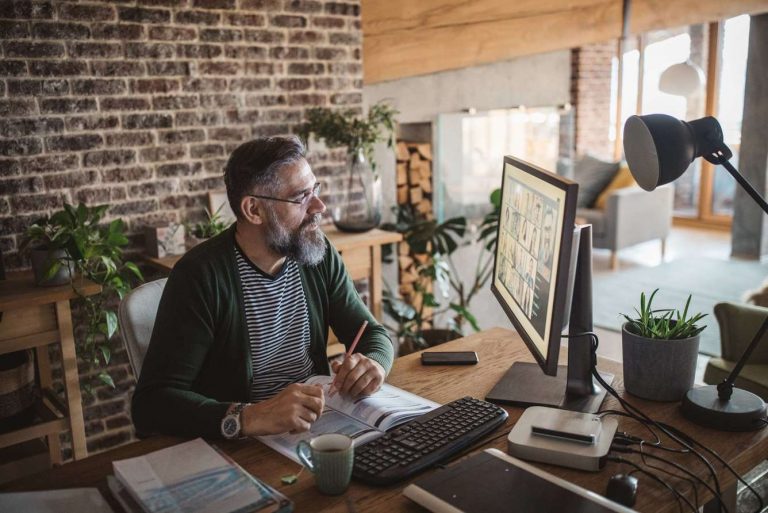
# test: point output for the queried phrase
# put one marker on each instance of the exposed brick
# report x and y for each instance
(289, 52)
(244, 117)
(12, 68)
(104, 409)
(126, 174)
(117, 422)
(49, 163)
(179, 136)
(246, 52)
(80, 50)
(345, 68)
(262, 68)
(307, 99)
(93, 427)
(204, 151)
(95, 195)
(82, 123)
(214, 4)
(306, 68)
(175, 102)
(219, 100)
(133, 207)
(330, 54)
(123, 103)
(228, 134)
(294, 84)
(345, 38)
(45, 87)
(142, 15)
(172, 33)
(266, 100)
(130, 139)
(109, 157)
(205, 184)
(261, 5)
(25, 204)
(149, 50)
(196, 17)
(73, 142)
(309, 6)
(67, 105)
(154, 85)
(30, 126)
(19, 147)
(10, 167)
(288, 20)
(342, 9)
(328, 22)
(87, 13)
(13, 29)
(152, 189)
(98, 86)
(162, 153)
(69, 180)
(134, 121)
(221, 35)
(16, 107)
(199, 51)
(249, 84)
(289, 116)
(117, 68)
(35, 50)
(177, 202)
(60, 31)
(168, 68)
(16, 224)
(57, 68)
(346, 98)
(210, 118)
(246, 20)
(219, 68)
(264, 36)
(162, 3)
(120, 31)
(23, 9)
(22, 185)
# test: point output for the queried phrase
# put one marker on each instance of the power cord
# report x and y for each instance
(679, 496)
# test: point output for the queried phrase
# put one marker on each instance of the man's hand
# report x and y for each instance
(358, 375)
(294, 409)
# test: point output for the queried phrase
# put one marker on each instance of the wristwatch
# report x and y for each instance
(230, 424)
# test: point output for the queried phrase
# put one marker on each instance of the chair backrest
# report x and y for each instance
(137, 318)
(739, 323)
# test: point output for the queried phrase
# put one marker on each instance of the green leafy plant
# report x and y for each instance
(663, 324)
(344, 128)
(210, 227)
(94, 251)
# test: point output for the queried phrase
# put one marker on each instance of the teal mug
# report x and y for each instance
(329, 457)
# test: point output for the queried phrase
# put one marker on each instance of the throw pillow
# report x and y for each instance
(593, 175)
(622, 179)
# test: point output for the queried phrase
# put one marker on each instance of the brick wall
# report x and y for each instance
(591, 98)
(138, 104)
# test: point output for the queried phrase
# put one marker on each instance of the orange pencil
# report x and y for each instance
(351, 350)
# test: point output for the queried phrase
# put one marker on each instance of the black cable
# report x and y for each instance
(656, 478)
(694, 488)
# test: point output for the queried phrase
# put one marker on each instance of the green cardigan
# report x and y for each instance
(198, 361)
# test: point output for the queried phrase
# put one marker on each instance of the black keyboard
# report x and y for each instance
(425, 441)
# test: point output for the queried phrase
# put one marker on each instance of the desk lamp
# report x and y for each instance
(658, 149)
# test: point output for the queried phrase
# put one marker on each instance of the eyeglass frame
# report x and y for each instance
(312, 193)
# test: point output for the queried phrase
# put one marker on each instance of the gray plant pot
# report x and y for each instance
(40, 262)
(660, 370)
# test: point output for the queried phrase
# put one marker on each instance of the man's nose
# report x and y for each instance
(316, 205)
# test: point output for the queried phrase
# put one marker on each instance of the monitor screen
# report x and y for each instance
(533, 255)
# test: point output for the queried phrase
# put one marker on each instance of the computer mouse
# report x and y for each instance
(622, 488)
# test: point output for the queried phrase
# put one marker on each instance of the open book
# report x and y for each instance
(361, 419)
(191, 477)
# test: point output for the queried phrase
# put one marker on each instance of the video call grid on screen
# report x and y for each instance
(532, 214)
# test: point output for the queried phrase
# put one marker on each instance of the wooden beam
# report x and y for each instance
(404, 38)
(706, 189)
(657, 14)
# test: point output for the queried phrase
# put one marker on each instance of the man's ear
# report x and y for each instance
(251, 208)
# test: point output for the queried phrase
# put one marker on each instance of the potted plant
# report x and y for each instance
(212, 225)
(90, 250)
(358, 135)
(660, 348)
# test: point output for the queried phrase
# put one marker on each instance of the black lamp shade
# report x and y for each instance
(659, 148)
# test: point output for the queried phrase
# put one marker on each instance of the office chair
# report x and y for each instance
(137, 318)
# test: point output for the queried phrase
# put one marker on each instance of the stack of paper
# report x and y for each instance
(192, 478)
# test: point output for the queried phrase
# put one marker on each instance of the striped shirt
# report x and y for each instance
(278, 327)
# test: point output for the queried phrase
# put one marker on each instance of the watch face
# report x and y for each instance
(230, 427)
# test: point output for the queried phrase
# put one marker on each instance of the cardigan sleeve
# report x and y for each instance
(348, 312)
(164, 400)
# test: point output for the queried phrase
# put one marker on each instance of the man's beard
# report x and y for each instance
(305, 245)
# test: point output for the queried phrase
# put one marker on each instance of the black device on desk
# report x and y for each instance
(425, 441)
(449, 358)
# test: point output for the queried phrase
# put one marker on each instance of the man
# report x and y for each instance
(244, 316)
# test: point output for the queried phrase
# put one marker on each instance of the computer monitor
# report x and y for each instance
(542, 278)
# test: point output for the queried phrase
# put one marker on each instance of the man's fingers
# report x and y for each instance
(351, 378)
(361, 384)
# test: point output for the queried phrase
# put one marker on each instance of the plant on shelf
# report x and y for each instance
(438, 289)
(80, 242)
(213, 225)
(659, 350)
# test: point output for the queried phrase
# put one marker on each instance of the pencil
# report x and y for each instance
(348, 353)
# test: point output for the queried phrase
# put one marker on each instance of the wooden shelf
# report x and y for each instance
(50, 418)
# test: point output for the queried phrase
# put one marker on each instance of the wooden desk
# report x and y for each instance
(497, 349)
(361, 253)
(34, 317)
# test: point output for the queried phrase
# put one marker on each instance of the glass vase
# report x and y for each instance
(358, 207)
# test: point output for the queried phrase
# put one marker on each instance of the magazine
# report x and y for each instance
(362, 419)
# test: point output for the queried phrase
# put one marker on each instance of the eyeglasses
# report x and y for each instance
(301, 200)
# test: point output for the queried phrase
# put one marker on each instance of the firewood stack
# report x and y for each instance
(414, 187)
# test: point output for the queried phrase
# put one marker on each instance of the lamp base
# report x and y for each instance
(744, 411)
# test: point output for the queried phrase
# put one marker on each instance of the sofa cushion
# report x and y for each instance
(593, 175)
(594, 217)
(622, 179)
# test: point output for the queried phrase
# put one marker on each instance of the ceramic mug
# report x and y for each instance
(329, 457)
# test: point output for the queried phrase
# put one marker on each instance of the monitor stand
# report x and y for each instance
(524, 384)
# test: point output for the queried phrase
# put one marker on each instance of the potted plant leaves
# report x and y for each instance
(660, 349)
(212, 225)
(90, 249)
(358, 135)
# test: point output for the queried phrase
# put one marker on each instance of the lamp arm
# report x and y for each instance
(725, 389)
(719, 159)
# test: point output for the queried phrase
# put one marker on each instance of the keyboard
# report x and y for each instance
(426, 440)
